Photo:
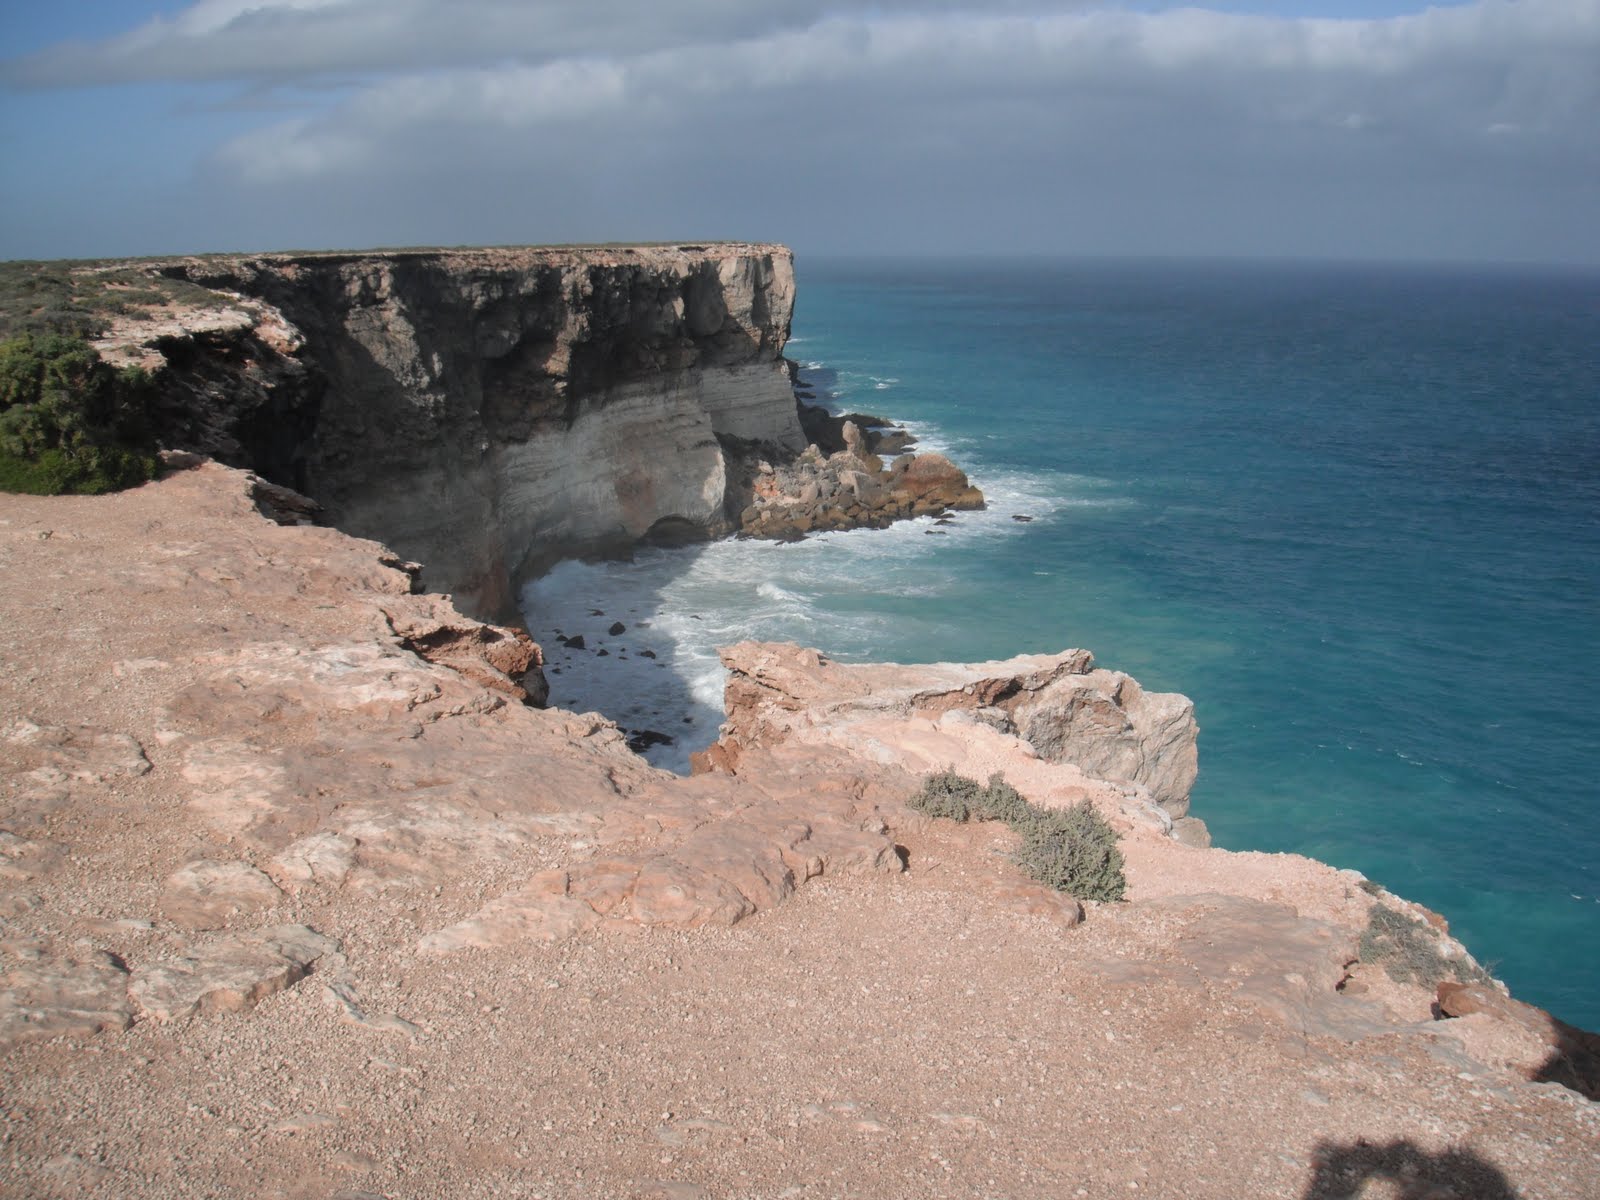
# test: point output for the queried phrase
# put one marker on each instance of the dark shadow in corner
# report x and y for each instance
(1574, 1060)
(1341, 1172)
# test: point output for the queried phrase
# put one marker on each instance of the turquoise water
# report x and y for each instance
(1353, 512)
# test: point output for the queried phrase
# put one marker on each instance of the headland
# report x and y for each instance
(305, 895)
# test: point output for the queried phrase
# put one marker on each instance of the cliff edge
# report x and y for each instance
(300, 900)
(483, 411)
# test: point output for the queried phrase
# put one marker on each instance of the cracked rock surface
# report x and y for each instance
(291, 908)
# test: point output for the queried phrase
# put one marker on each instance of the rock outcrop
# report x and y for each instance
(1064, 708)
(485, 411)
(851, 489)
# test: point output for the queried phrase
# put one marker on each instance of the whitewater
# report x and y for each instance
(1353, 511)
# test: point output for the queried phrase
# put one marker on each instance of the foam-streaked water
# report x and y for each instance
(1353, 512)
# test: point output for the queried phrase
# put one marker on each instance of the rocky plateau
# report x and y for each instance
(301, 899)
(304, 895)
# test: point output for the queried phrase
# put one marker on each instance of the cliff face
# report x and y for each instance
(484, 411)
(1067, 710)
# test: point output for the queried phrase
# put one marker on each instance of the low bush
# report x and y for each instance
(69, 422)
(1408, 950)
(999, 801)
(1073, 850)
(947, 794)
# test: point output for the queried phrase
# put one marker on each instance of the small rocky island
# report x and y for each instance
(303, 894)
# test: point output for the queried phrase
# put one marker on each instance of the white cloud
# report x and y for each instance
(1439, 77)
(618, 118)
(295, 39)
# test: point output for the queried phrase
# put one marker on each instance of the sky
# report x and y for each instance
(1464, 131)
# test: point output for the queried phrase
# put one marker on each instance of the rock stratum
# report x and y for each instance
(301, 898)
(486, 412)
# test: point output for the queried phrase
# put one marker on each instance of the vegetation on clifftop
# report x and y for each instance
(1409, 951)
(1073, 850)
(69, 422)
(81, 299)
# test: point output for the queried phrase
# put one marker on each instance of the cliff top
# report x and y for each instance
(600, 254)
(85, 296)
(347, 917)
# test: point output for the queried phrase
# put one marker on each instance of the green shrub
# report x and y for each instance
(1073, 850)
(69, 422)
(1408, 950)
(999, 801)
(947, 794)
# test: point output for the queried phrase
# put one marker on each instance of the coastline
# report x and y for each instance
(280, 823)
(288, 839)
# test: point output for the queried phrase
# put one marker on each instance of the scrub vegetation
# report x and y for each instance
(81, 299)
(1073, 850)
(69, 422)
(1409, 952)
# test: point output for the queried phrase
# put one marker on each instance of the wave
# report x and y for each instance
(859, 595)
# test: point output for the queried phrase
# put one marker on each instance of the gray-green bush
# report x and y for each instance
(1408, 950)
(1073, 850)
(947, 794)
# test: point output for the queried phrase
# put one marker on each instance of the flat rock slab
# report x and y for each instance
(323, 859)
(45, 767)
(230, 974)
(209, 894)
(85, 753)
(46, 995)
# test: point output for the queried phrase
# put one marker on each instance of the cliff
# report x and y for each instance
(485, 411)
(299, 900)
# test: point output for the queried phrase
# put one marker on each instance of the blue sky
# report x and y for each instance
(1468, 131)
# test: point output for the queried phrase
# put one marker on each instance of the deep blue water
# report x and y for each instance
(1352, 511)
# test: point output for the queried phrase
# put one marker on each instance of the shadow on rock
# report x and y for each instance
(1342, 1172)
(1574, 1060)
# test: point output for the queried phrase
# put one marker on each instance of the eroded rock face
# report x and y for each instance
(851, 489)
(1067, 710)
(485, 411)
(504, 659)
(1573, 1054)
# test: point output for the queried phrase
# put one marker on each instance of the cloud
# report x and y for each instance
(295, 39)
(1433, 82)
(1079, 126)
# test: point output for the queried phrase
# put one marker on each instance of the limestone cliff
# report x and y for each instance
(484, 411)
(1064, 708)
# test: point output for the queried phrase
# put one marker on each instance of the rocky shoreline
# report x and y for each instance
(303, 894)
(850, 488)
(630, 359)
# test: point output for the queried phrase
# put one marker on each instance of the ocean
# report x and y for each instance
(1353, 511)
